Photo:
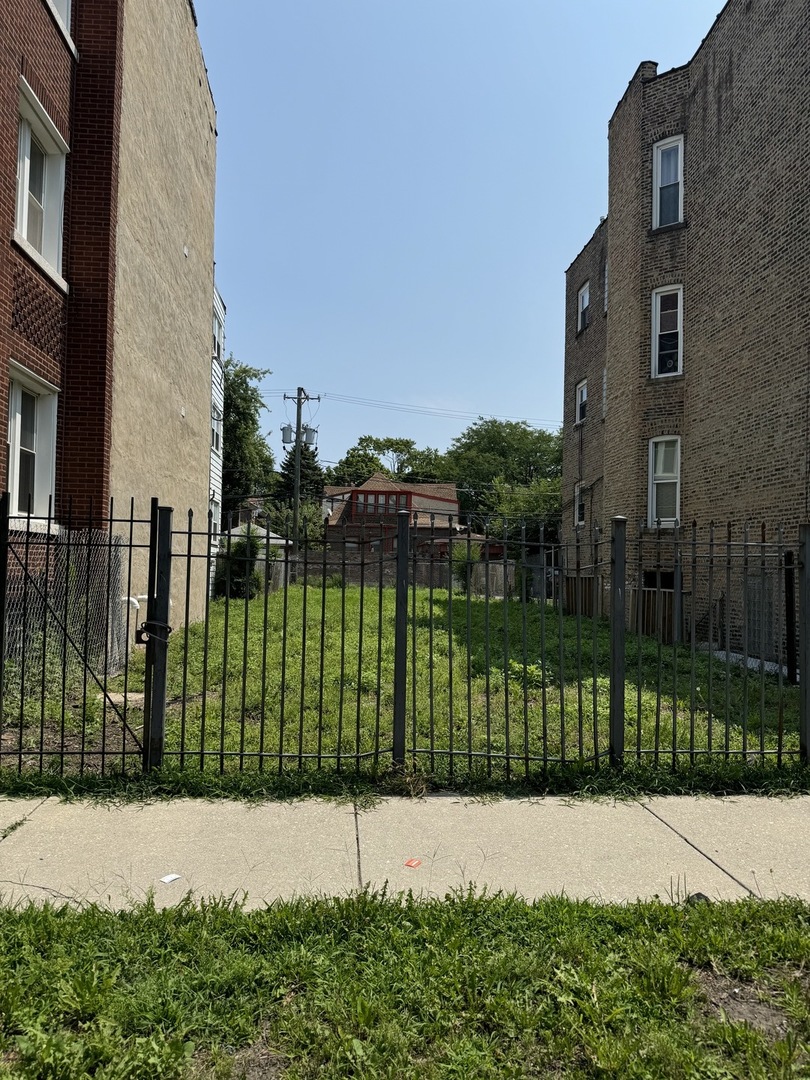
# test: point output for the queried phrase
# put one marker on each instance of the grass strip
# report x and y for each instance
(372, 986)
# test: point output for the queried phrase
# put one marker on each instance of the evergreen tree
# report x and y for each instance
(312, 479)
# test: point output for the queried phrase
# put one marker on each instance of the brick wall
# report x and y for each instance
(33, 309)
(585, 358)
(742, 404)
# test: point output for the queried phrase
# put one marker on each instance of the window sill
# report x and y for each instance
(674, 377)
(41, 262)
(63, 30)
(24, 524)
(581, 331)
(676, 226)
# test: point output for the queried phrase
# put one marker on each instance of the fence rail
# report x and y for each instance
(139, 642)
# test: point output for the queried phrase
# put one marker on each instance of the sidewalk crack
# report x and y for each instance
(357, 845)
(18, 824)
(700, 851)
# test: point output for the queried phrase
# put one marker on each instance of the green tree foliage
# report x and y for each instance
(355, 467)
(312, 476)
(392, 456)
(247, 460)
(496, 462)
(278, 516)
(236, 574)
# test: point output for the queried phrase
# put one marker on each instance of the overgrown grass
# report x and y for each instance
(472, 986)
(303, 679)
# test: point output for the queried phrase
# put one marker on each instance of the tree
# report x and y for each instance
(247, 460)
(356, 466)
(278, 517)
(509, 451)
(312, 478)
(392, 456)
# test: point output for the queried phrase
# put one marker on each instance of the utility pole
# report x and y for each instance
(300, 398)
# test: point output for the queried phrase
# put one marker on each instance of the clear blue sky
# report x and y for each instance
(401, 185)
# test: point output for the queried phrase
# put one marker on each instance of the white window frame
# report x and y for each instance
(60, 9)
(216, 430)
(216, 512)
(583, 309)
(666, 290)
(653, 481)
(47, 397)
(580, 401)
(34, 121)
(658, 150)
(578, 501)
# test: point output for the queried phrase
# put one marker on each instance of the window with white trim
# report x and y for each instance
(63, 11)
(581, 401)
(667, 331)
(216, 430)
(215, 509)
(40, 182)
(218, 340)
(668, 182)
(583, 301)
(664, 480)
(31, 444)
(579, 505)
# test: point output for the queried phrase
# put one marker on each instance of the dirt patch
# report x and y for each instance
(744, 1003)
(256, 1062)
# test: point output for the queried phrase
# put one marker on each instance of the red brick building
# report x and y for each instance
(106, 254)
(369, 511)
(687, 346)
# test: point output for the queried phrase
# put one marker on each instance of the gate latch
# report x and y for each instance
(158, 631)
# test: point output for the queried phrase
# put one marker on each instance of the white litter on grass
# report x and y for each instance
(170, 878)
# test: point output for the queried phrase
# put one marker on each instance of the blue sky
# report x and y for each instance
(401, 185)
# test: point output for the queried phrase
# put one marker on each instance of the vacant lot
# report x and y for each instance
(304, 678)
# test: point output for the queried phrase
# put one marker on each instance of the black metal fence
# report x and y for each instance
(135, 643)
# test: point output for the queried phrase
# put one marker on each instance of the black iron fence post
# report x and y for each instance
(157, 632)
(5, 503)
(804, 642)
(618, 574)
(401, 638)
(790, 617)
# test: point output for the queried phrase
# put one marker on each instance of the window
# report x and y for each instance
(664, 488)
(581, 406)
(40, 184)
(218, 339)
(668, 182)
(31, 443)
(216, 430)
(215, 512)
(61, 9)
(667, 343)
(579, 505)
(583, 299)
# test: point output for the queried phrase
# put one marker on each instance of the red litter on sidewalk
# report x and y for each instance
(413, 863)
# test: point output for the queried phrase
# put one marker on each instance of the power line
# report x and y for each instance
(421, 410)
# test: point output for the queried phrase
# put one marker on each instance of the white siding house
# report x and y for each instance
(217, 407)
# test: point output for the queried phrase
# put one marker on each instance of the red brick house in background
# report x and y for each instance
(369, 511)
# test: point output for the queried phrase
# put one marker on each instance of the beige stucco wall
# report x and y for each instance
(164, 281)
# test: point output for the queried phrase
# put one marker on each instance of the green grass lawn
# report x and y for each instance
(471, 986)
(306, 678)
(509, 678)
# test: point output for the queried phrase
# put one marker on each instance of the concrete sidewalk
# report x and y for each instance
(600, 850)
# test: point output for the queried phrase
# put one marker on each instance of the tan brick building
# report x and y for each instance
(687, 347)
(107, 176)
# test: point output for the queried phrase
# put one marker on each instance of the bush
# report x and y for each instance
(463, 557)
(236, 572)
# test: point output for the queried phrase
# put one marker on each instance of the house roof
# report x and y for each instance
(424, 497)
